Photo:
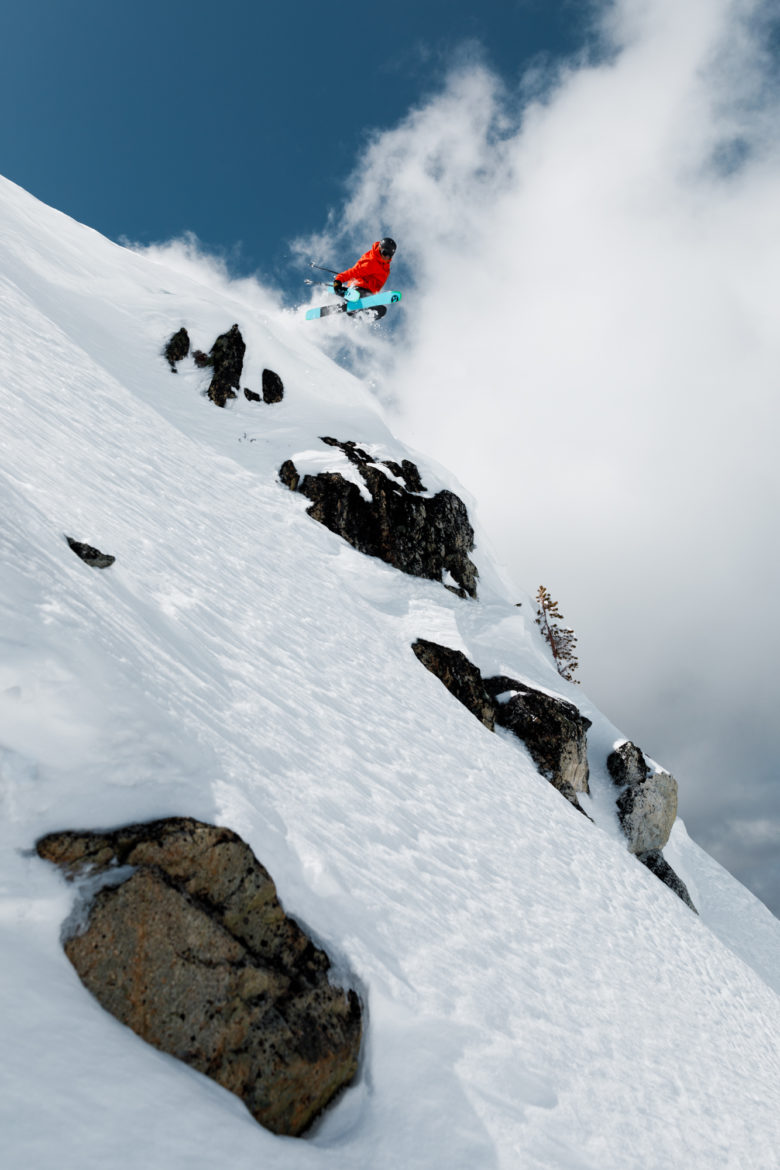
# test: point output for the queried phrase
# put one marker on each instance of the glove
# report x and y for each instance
(338, 288)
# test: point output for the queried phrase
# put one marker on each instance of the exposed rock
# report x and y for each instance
(288, 474)
(91, 556)
(251, 396)
(648, 805)
(194, 952)
(408, 472)
(627, 765)
(647, 812)
(459, 676)
(425, 537)
(405, 470)
(273, 387)
(201, 359)
(177, 348)
(657, 864)
(647, 808)
(553, 730)
(227, 359)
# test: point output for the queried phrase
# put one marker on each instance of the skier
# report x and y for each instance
(369, 274)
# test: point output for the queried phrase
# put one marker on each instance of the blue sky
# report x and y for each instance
(240, 121)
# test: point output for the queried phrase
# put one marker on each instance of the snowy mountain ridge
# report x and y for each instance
(241, 664)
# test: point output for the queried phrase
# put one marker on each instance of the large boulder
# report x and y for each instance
(647, 806)
(190, 948)
(424, 536)
(553, 730)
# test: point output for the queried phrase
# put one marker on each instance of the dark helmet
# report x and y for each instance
(387, 247)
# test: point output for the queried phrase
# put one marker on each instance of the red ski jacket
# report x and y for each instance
(371, 271)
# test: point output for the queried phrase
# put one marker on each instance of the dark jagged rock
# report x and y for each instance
(421, 536)
(227, 360)
(408, 472)
(177, 348)
(201, 359)
(627, 765)
(273, 387)
(91, 556)
(553, 730)
(251, 396)
(657, 864)
(459, 676)
(194, 952)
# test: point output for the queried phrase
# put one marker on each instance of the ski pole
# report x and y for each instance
(319, 283)
(319, 266)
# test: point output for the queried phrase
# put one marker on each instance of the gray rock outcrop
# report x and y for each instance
(194, 952)
(422, 536)
(647, 806)
(647, 809)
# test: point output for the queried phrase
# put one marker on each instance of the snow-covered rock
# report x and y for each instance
(425, 536)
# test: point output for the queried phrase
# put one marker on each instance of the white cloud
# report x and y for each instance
(187, 255)
(592, 281)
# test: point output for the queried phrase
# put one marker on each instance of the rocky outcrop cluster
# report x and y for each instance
(226, 359)
(188, 945)
(421, 535)
(647, 809)
(390, 515)
(552, 730)
(555, 734)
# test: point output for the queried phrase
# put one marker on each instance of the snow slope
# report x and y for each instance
(535, 998)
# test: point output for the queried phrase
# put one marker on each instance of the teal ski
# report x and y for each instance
(354, 306)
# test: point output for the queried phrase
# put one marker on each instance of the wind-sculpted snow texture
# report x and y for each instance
(534, 997)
